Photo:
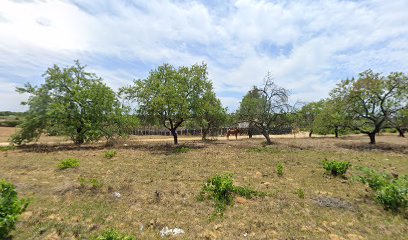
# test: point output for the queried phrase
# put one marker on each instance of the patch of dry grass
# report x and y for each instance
(159, 186)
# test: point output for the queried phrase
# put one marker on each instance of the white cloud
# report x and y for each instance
(307, 45)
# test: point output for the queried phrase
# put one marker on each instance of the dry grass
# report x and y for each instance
(159, 187)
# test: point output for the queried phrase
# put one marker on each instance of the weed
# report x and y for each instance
(181, 149)
(68, 163)
(336, 167)
(221, 189)
(6, 148)
(110, 154)
(300, 192)
(392, 193)
(91, 183)
(10, 208)
(279, 169)
(113, 234)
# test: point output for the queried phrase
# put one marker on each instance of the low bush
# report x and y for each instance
(181, 149)
(90, 183)
(221, 189)
(391, 192)
(10, 208)
(279, 169)
(6, 148)
(110, 153)
(336, 167)
(113, 234)
(68, 163)
(300, 192)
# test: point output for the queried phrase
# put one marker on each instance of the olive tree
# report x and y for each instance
(169, 96)
(265, 107)
(71, 102)
(372, 99)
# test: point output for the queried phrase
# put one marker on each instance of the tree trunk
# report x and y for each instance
(401, 132)
(266, 135)
(336, 132)
(205, 133)
(250, 132)
(174, 133)
(310, 133)
(372, 137)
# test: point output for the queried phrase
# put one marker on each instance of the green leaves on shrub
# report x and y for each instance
(279, 169)
(68, 163)
(221, 189)
(10, 208)
(91, 183)
(391, 192)
(336, 167)
(181, 149)
(110, 153)
(113, 234)
(6, 148)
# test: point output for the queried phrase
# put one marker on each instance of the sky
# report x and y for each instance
(308, 46)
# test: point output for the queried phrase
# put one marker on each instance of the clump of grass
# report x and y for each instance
(181, 149)
(110, 154)
(68, 163)
(10, 208)
(221, 189)
(280, 169)
(391, 192)
(300, 192)
(336, 168)
(112, 234)
(90, 183)
(6, 148)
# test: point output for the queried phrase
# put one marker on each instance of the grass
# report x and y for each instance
(110, 154)
(6, 148)
(145, 169)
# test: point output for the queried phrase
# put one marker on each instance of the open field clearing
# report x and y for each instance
(159, 185)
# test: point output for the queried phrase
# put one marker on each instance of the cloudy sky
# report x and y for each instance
(308, 46)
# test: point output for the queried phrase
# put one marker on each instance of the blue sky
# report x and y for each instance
(308, 46)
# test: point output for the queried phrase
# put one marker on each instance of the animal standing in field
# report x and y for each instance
(234, 131)
(295, 131)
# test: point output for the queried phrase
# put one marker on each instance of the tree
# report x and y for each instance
(265, 107)
(307, 115)
(71, 102)
(211, 114)
(170, 96)
(400, 122)
(332, 118)
(372, 99)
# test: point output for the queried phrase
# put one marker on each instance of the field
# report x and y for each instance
(159, 185)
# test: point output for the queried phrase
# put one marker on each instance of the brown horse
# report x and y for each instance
(234, 131)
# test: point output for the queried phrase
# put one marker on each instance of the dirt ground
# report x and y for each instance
(159, 187)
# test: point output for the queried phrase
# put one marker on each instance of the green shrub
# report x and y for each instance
(113, 234)
(6, 148)
(391, 192)
(181, 149)
(336, 167)
(110, 153)
(300, 192)
(68, 163)
(10, 208)
(91, 183)
(279, 169)
(221, 189)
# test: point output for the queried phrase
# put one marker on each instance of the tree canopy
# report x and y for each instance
(170, 96)
(71, 102)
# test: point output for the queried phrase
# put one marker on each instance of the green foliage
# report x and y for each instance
(391, 192)
(279, 169)
(336, 167)
(221, 189)
(372, 100)
(300, 192)
(71, 102)
(110, 153)
(10, 208)
(9, 123)
(112, 234)
(170, 96)
(181, 149)
(6, 148)
(68, 163)
(91, 183)
(306, 117)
